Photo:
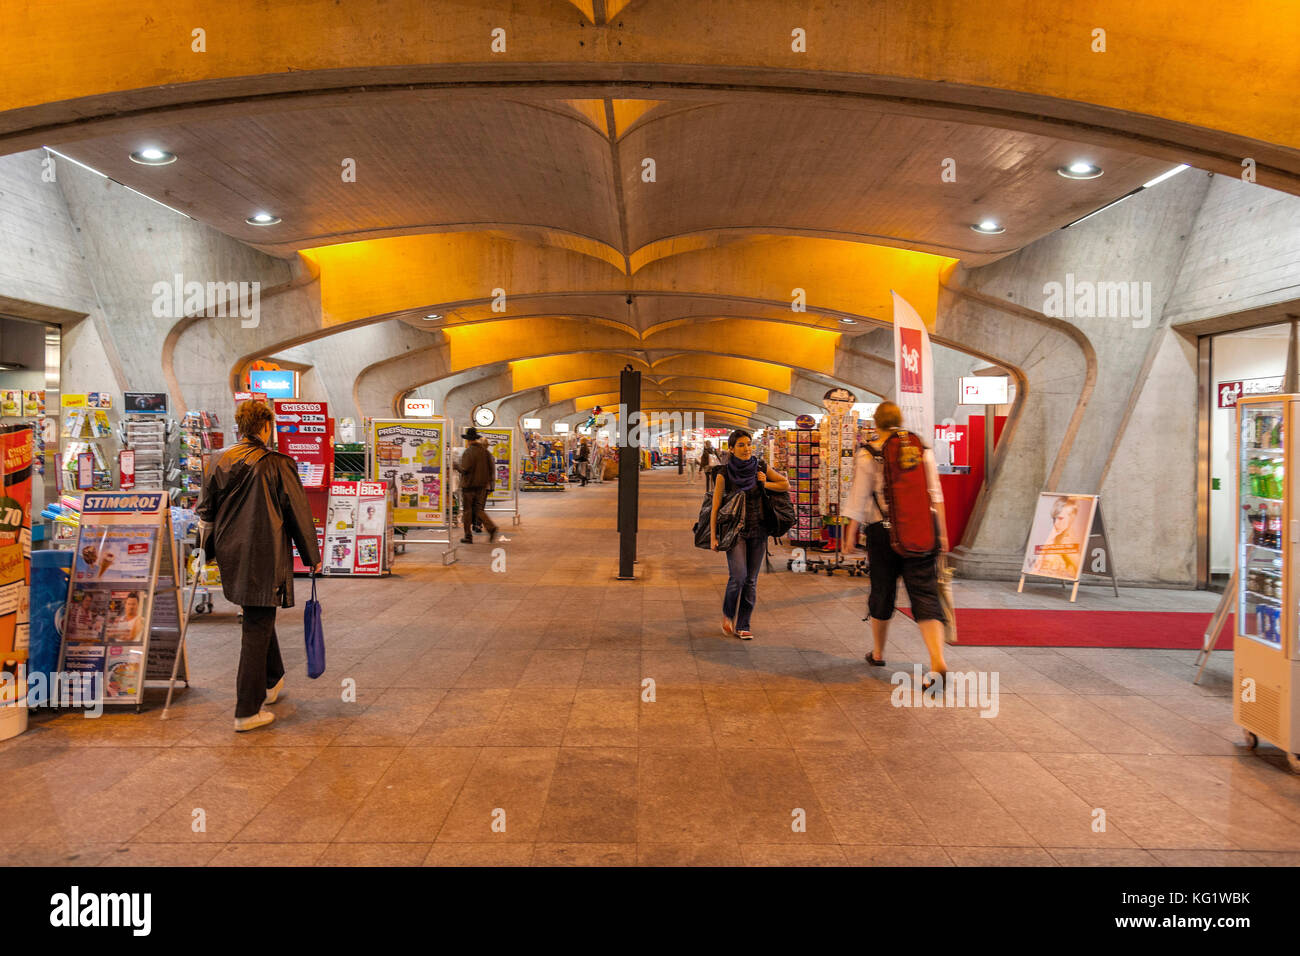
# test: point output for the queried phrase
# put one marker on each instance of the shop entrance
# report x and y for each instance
(1233, 365)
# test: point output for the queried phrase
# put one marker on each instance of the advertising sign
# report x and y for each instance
(1059, 536)
(985, 390)
(955, 439)
(144, 403)
(302, 433)
(409, 456)
(501, 443)
(417, 407)
(274, 384)
(15, 535)
(913, 368)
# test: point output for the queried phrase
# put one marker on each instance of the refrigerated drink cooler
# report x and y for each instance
(1266, 652)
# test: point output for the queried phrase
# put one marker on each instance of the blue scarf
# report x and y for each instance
(743, 474)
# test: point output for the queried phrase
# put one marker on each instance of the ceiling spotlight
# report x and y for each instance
(1080, 170)
(989, 227)
(152, 156)
(432, 316)
(847, 321)
(262, 219)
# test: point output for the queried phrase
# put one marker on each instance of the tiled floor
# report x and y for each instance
(500, 718)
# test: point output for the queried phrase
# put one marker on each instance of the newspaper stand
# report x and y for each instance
(411, 454)
(123, 623)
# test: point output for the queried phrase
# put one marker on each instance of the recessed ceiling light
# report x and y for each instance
(1080, 170)
(152, 156)
(262, 219)
(847, 321)
(989, 227)
(431, 316)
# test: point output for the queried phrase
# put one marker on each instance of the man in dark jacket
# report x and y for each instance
(584, 461)
(477, 478)
(252, 509)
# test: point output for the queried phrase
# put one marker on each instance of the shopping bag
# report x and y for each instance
(731, 519)
(945, 599)
(313, 635)
(778, 513)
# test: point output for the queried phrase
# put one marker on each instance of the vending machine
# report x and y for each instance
(1266, 651)
(305, 432)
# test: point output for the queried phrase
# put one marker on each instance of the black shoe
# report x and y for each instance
(492, 535)
(466, 540)
(478, 529)
(930, 683)
(871, 659)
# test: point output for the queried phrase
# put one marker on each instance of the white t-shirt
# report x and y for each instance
(861, 504)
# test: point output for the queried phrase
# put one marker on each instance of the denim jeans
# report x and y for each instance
(743, 563)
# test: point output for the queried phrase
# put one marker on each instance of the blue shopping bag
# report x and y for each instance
(314, 635)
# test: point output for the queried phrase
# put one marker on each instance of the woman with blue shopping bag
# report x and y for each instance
(252, 511)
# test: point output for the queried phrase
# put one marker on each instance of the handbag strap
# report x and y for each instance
(313, 587)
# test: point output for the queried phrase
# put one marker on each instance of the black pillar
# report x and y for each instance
(629, 469)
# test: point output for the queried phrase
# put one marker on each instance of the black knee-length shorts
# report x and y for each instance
(920, 577)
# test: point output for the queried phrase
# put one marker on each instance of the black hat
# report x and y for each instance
(471, 434)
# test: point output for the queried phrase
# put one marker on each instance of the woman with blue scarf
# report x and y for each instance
(750, 476)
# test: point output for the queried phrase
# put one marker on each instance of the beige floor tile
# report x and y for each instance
(1000, 856)
(896, 856)
(603, 718)
(689, 854)
(592, 798)
(268, 854)
(786, 854)
(506, 788)
(584, 854)
(374, 854)
(412, 798)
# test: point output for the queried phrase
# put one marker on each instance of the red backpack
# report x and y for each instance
(913, 525)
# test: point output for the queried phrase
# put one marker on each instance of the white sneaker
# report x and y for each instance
(260, 719)
(276, 692)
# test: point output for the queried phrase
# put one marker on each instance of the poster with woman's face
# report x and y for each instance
(1059, 535)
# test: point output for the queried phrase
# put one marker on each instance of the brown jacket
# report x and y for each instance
(477, 468)
(255, 507)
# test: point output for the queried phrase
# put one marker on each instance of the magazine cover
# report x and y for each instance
(372, 516)
(338, 552)
(342, 515)
(122, 669)
(124, 620)
(34, 402)
(1059, 535)
(368, 554)
(11, 403)
(84, 660)
(86, 614)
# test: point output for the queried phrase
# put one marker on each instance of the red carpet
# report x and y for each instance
(999, 627)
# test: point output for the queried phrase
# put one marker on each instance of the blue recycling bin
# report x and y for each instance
(51, 572)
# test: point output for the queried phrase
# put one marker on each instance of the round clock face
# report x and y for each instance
(484, 416)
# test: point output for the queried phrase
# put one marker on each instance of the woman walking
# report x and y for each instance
(868, 505)
(252, 511)
(745, 474)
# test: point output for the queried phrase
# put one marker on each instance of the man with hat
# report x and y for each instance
(477, 478)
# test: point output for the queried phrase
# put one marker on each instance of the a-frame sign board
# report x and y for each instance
(1068, 540)
(122, 624)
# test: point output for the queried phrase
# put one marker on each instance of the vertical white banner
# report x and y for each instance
(913, 370)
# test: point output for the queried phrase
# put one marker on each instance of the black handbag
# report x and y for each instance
(778, 513)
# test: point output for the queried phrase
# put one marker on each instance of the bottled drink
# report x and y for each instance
(1257, 527)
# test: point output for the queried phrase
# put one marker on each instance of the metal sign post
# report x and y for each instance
(629, 470)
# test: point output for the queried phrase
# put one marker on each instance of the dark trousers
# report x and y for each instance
(920, 576)
(473, 501)
(744, 561)
(260, 666)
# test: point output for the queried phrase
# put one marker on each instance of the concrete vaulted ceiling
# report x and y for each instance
(651, 182)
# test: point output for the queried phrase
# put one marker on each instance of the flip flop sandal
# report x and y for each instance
(871, 659)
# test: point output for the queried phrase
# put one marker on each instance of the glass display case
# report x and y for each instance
(1266, 665)
(1263, 515)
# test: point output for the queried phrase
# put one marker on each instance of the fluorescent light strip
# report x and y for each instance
(91, 169)
(1163, 176)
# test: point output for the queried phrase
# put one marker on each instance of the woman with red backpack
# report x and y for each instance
(896, 494)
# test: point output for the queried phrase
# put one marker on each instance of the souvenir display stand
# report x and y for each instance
(502, 442)
(412, 456)
(1266, 650)
(305, 432)
(358, 530)
(123, 622)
